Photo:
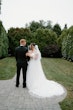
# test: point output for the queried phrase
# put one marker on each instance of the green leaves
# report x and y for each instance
(3, 41)
(15, 34)
(57, 29)
(67, 44)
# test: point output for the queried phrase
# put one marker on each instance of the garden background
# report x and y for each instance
(56, 46)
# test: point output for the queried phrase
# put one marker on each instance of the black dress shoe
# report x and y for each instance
(17, 85)
(24, 86)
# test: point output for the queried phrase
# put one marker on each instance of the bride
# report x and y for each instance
(36, 82)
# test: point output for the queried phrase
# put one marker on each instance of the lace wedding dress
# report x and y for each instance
(36, 82)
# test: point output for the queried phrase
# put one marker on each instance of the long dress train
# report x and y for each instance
(37, 83)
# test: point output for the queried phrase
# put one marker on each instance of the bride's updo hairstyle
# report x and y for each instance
(33, 44)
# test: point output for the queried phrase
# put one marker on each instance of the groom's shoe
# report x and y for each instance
(17, 85)
(24, 85)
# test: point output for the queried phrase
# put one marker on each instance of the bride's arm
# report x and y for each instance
(29, 54)
(32, 55)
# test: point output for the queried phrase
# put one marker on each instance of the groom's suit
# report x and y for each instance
(21, 59)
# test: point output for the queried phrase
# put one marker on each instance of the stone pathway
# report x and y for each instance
(12, 98)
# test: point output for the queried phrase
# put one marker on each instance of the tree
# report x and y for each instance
(34, 26)
(67, 44)
(57, 29)
(60, 39)
(49, 25)
(70, 43)
(42, 23)
(44, 37)
(15, 34)
(3, 42)
(65, 47)
(65, 27)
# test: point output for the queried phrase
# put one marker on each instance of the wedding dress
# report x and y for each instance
(36, 81)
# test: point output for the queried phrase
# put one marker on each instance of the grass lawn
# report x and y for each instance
(7, 68)
(55, 69)
(61, 71)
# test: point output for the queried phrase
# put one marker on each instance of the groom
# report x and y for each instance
(21, 59)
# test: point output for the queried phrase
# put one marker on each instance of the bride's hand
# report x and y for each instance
(27, 54)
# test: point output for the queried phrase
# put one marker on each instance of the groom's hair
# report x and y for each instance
(22, 41)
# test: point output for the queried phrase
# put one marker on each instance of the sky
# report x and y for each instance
(16, 13)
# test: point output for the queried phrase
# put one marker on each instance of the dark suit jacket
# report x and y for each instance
(20, 54)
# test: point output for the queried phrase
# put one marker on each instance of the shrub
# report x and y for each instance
(44, 37)
(51, 50)
(57, 29)
(67, 45)
(3, 42)
(15, 34)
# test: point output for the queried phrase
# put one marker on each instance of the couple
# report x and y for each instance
(33, 76)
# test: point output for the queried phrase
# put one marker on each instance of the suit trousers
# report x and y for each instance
(22, 66)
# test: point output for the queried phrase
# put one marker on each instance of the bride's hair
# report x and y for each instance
(37, 49)
(32, 44)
